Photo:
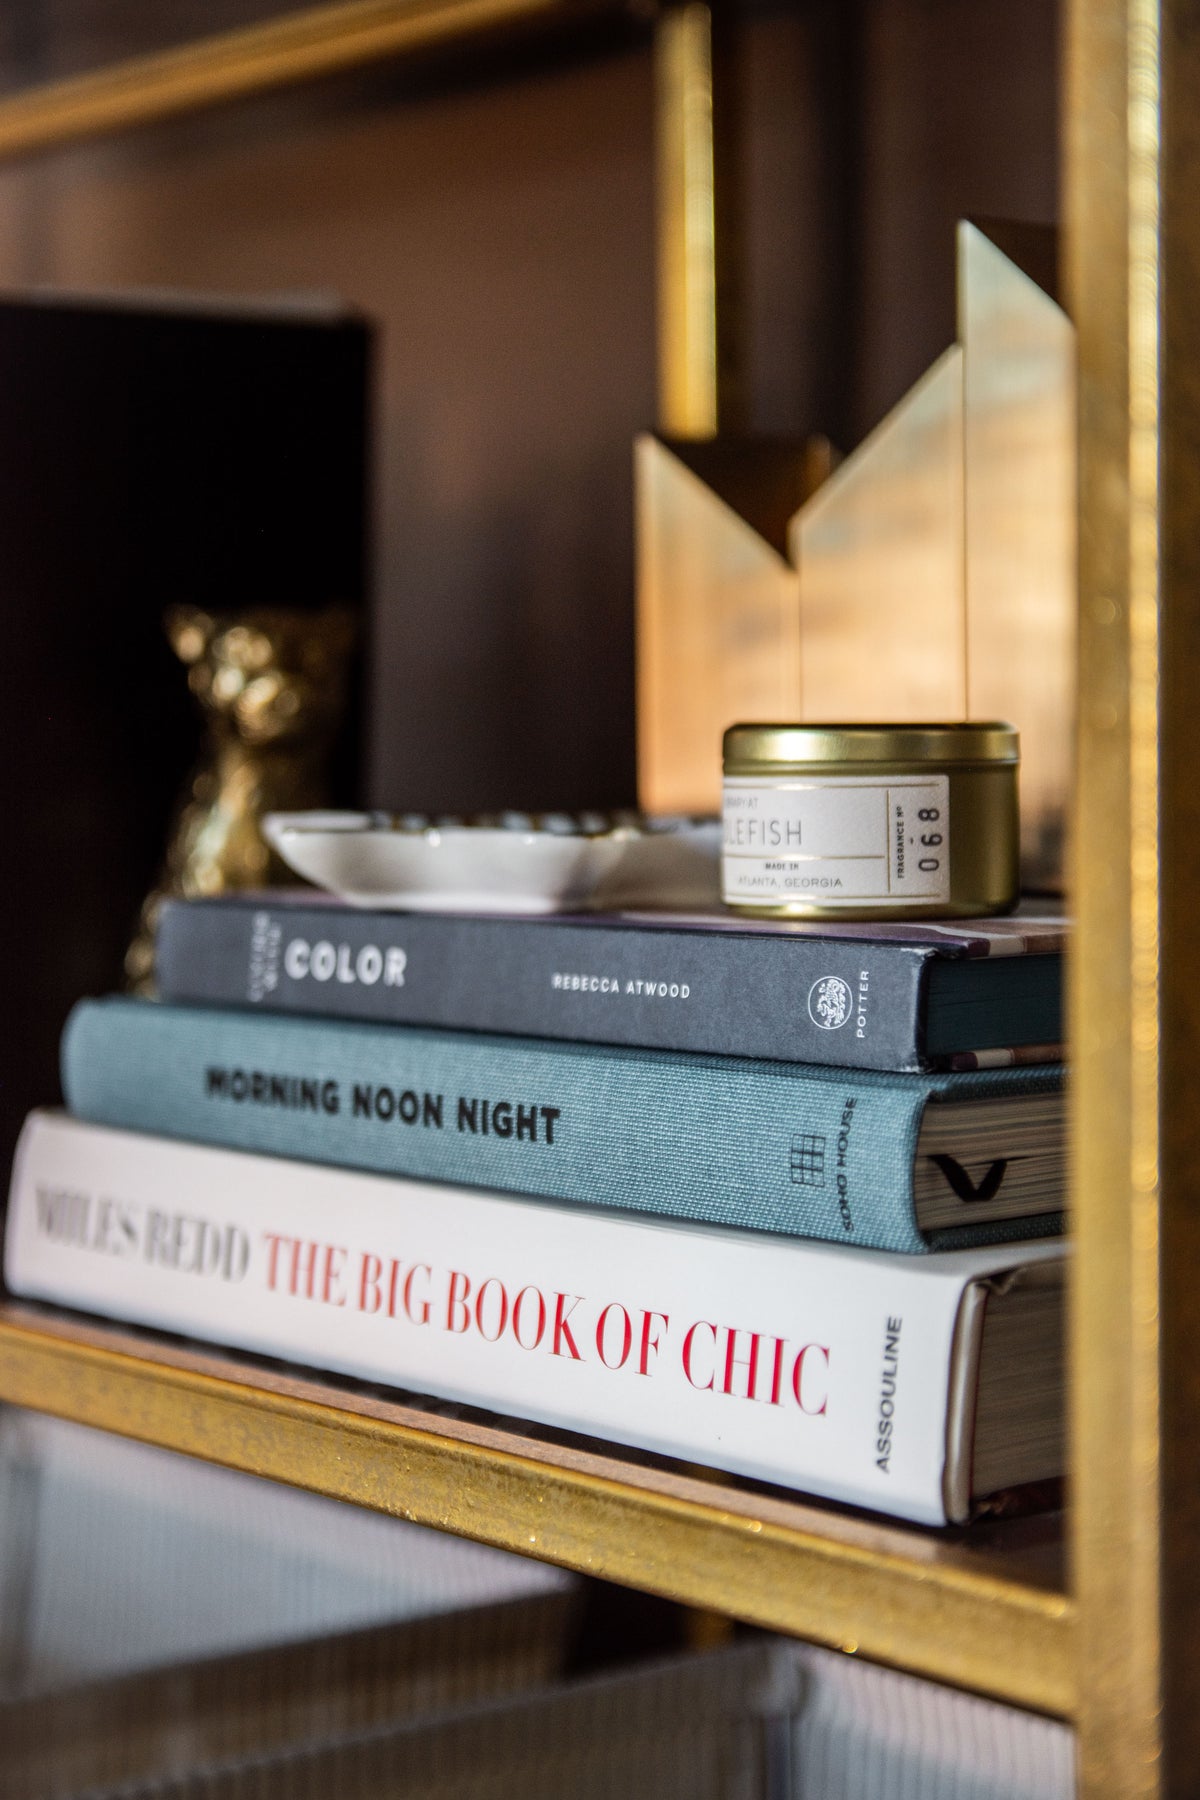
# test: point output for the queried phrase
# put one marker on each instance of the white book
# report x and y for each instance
(918, 1386)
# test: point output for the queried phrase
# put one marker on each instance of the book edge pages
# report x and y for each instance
(960, 1403)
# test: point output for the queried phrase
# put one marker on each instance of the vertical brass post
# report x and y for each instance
(1178, 675)
(696, 150)
(1133, 256)
(1114, 1012)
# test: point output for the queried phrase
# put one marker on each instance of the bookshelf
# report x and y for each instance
(1110, 1647)
(983, 1607)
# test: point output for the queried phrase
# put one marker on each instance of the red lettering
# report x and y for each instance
(458, 1297)
(649, 1343)
(496, 1335)
(541, 1318)
(421, 1269)
(332, 1292)
(275, 1244)
(304, 1268)
(626, 1337)
(798, 1379)
(368, 1284)
(777, 1371)
(700, 1325)
(733, 1361)
(394, 1268)
(562, 1331)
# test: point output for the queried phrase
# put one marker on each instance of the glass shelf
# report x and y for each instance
(985, 1608)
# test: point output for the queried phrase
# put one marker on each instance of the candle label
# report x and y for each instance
(836, 840)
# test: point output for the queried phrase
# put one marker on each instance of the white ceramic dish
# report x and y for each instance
(557, 864)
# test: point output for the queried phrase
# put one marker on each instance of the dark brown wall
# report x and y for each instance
(502, 236)
(962, 122)
(869, 129)
(499, 225)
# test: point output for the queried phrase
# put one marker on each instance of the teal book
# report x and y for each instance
(903, 1162)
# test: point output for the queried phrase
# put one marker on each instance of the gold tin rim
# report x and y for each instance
(776, 746)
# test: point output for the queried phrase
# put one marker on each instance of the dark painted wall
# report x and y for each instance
(498, 223)
(146, 459)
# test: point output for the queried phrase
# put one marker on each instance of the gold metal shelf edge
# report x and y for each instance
(848, 1587)
(319, 41)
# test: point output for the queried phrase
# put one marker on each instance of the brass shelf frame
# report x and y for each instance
(1133, 251)
(256, 59)
(1118, 1657)
(900, 1595)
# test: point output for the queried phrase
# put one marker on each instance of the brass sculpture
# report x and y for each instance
(272, 685)
(932, 576)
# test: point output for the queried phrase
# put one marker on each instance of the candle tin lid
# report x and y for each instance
(755, 747)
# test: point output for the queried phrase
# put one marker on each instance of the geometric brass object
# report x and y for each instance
(717, 626)
(1019, 463)
(879, 551)
(937, 569)
(931, 576)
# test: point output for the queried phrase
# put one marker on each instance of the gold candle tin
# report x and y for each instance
(870, 821)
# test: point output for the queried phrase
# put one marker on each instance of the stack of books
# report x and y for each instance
(779, 1199)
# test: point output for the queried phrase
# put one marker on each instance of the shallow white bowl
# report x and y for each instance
(485, 869)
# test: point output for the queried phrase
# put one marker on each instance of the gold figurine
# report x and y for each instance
(272, 685)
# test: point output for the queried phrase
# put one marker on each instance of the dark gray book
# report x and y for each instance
(884, 995)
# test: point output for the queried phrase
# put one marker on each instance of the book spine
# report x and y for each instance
(795, 999)
(752, 1354)
(769, 1146)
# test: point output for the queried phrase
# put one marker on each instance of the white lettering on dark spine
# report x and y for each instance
(324, 961)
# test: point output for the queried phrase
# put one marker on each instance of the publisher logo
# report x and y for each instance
(829, 1002)
(808, 1159)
